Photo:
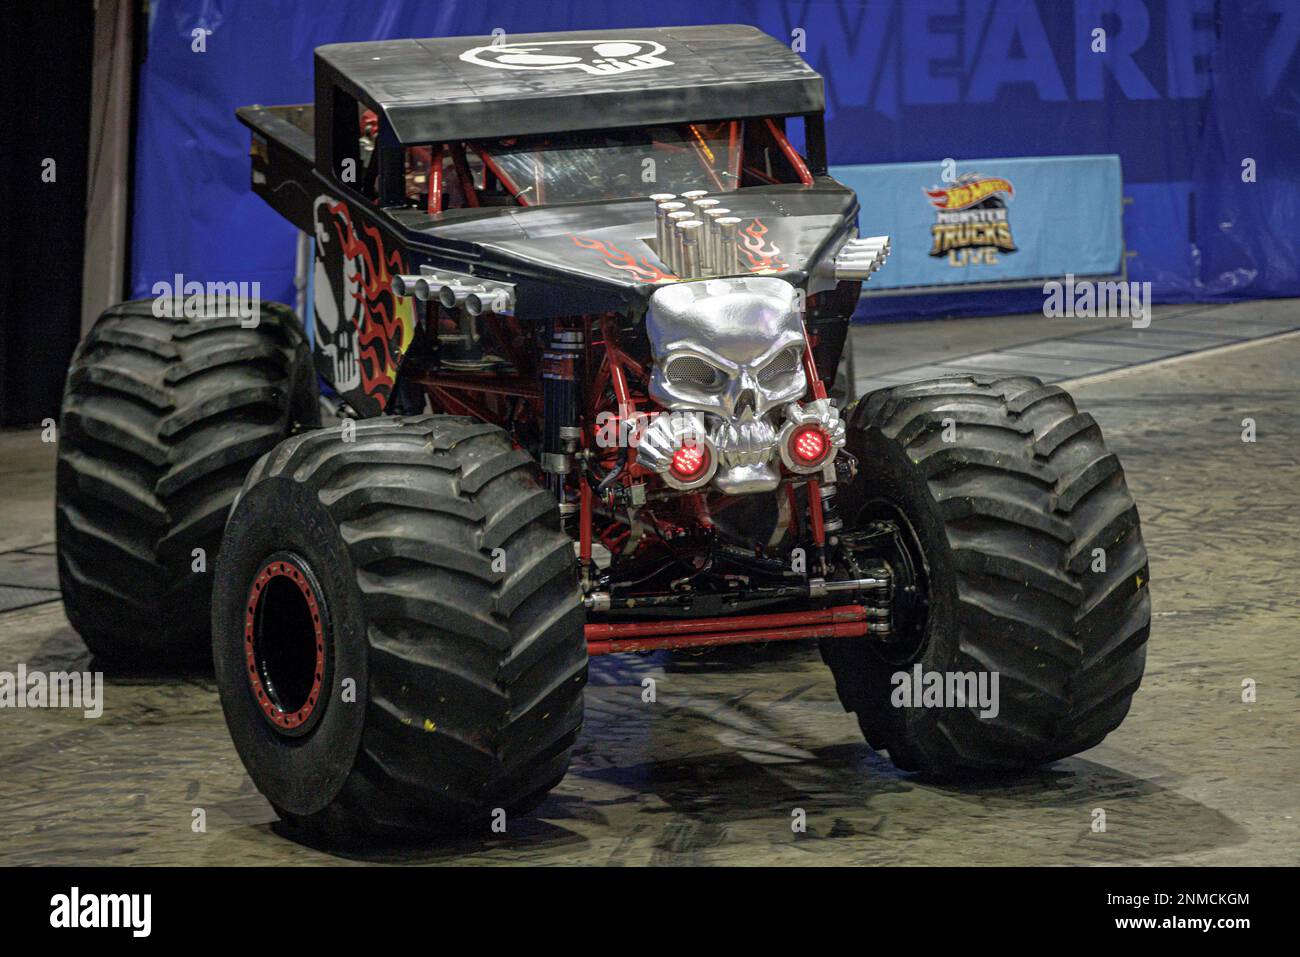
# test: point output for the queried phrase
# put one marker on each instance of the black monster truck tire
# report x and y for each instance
(1007, 490)
(161, 419)
(446, 678)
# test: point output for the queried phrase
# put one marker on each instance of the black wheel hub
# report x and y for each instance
(882, 534)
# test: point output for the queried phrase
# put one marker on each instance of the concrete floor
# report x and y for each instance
(1057, 350)
(711, 773)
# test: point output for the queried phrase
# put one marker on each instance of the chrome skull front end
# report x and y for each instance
(731, 351)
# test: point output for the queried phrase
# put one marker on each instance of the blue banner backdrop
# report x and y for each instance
(1199, 98)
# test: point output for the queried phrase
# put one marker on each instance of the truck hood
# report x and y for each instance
(600, 250)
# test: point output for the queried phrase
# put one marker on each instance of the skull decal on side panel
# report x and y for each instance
(335, 290)
(362, 329)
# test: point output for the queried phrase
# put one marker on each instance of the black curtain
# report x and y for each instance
(45, 71)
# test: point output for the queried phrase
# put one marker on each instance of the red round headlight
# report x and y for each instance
(809, 445)
(689, 462)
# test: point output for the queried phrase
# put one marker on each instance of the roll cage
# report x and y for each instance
(553, 169)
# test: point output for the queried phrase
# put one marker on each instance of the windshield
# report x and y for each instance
(576, 167)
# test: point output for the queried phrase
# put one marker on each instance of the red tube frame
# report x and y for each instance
(816, 522)
(434, 180)
(516, 193)
(461, 166)
(671, 633)
(791, 154)
(842, 621)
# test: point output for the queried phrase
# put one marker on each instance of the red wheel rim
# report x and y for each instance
(289, 712)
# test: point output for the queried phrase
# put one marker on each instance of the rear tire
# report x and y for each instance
(454, 655)
(161, 419)
(1008, 490)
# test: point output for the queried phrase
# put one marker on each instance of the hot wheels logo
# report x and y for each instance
(967, 193)
(970, 220)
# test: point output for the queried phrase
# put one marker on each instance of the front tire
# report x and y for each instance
(451, 655)
(1031, 557)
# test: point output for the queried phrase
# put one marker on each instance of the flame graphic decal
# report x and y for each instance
(643, 269)
(389, 323)
(761, 254)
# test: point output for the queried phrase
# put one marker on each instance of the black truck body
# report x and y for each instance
(566, 259)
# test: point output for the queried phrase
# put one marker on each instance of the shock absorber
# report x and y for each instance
(561, 375)
(845, 467)
(831, 520)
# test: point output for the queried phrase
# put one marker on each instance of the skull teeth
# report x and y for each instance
(745, 442)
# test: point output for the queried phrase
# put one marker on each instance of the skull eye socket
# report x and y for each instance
(783, 364)
(697, 373)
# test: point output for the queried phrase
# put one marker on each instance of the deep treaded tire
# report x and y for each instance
(161, 419)
(452, 611)
(1008, 514)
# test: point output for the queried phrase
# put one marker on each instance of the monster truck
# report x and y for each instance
(578, 301)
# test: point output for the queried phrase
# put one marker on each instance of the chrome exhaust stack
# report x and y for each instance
(690, 248)
(423, 287)
(430, 284)
(663, 231)
(495, 298)
(728, 238)
(404, 286)
(658, 199)
(706, 248)
(718, 262)
(675, 242)
(857, 259)
(453, 294)
(702, 208)
(454, 290)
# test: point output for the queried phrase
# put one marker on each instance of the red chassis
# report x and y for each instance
(610, 371)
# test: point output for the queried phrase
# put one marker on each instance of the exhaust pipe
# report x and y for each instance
(689, 247)
(498, 298)
(456, 290)
(857, 259)
(675, 241)
(454, 294)
(728, 245)
(702, 208)
(663, 233)
(404, 286)
(713, 241)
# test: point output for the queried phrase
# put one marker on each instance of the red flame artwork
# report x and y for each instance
(643, 269)
(761, 254)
